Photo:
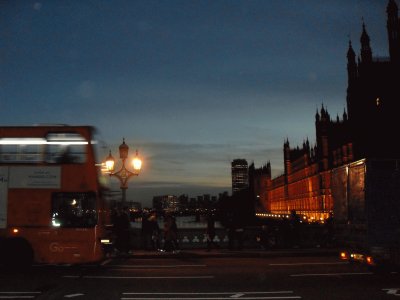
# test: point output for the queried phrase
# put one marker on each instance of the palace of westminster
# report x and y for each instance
(368, 129)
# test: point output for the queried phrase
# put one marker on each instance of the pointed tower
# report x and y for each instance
(393, 28)
(352, 73)
(317, 116)
(321, 128)
(344, 115)
(373, 95)
(366, 52)
(351, 64)
(286, 158)
(269, 169)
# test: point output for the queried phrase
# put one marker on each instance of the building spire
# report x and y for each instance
(366, 52)
(351, 64)
(344, 115)
(317, 116)
(393, 30)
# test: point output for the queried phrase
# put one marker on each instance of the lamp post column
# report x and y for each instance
(123, 201)
(123, 174)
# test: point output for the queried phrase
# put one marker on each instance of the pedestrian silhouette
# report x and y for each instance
(146, 231)
(211, 232)
(170, 234)
(122, 231)
(154, 231)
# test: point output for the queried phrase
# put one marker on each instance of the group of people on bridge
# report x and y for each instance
(152, 235)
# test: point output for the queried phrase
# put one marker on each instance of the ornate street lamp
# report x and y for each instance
(123, 174)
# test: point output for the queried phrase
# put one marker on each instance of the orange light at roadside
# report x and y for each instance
(343, 255)
(15, 230)
(369, 260)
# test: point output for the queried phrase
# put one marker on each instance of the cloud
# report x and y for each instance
(37, 6)
(158, 185)
(86, 89)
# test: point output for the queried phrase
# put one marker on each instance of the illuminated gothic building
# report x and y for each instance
(367, 129)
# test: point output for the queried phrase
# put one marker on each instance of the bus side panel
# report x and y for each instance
(84, 178)
(3, 196)
(63, 246)
(29, 208)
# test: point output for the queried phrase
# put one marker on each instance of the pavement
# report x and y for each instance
(244, 253)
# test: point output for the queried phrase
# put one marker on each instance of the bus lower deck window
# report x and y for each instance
(74, 210)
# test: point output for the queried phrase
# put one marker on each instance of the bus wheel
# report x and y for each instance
(17, 253)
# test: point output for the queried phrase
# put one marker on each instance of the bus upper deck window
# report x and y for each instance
(18, 151)
(65, 148)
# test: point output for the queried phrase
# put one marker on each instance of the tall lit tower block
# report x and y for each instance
(240, 175)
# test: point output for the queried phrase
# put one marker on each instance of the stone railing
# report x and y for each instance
(196, 238)
(282, 236)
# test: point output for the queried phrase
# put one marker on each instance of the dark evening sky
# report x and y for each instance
(190, 84)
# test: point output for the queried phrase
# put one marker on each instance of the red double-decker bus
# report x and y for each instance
(52, 208)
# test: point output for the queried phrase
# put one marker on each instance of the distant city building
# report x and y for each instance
(367, 130)
(134, 205)
(166, 203)
(184, 204)
(240, 175)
